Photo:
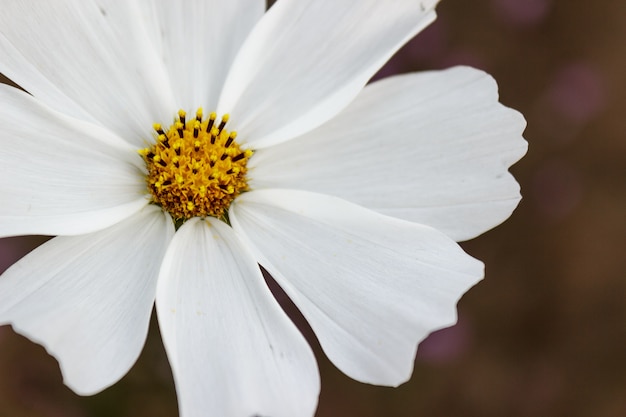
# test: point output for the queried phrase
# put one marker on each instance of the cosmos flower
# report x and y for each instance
(172, 147)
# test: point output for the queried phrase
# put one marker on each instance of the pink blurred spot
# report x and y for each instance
(557, 190)
(429, 44)
(521, 13)
(446, 345)
(577, 93)
(575, 97)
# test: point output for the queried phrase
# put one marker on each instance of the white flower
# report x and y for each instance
(352, 199)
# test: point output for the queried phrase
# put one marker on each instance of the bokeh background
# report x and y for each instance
(545, 333)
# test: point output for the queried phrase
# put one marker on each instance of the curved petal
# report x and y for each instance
(199, 41)
(232, 349)
(306, 60)
(92, 59)
(371, 287)
(62, 176)
(88, 299)
(432, 147)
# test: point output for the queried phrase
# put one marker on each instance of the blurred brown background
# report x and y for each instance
(545, 333)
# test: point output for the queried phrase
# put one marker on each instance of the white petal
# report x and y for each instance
(371, 287)
(199, 41)
(232, 349)
(62, 176)
(88, 299)
(306, 60)
(433, 148)
(87, 57)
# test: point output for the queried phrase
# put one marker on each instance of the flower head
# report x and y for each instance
(352, 197)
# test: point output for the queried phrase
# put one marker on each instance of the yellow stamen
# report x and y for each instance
(195, 168)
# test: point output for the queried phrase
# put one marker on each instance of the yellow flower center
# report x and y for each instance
(195, 168)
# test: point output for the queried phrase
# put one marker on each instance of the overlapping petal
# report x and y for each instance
(432, 147)
(287, 79)
(87, 299)
(232, 349)
(199, 40)
(92, 59)
(371, 287)
(62, 176)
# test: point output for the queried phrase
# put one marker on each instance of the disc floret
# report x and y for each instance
(196, 168)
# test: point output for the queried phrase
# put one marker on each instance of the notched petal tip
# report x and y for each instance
(88, 299)
(371, 286)
(442, 135)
